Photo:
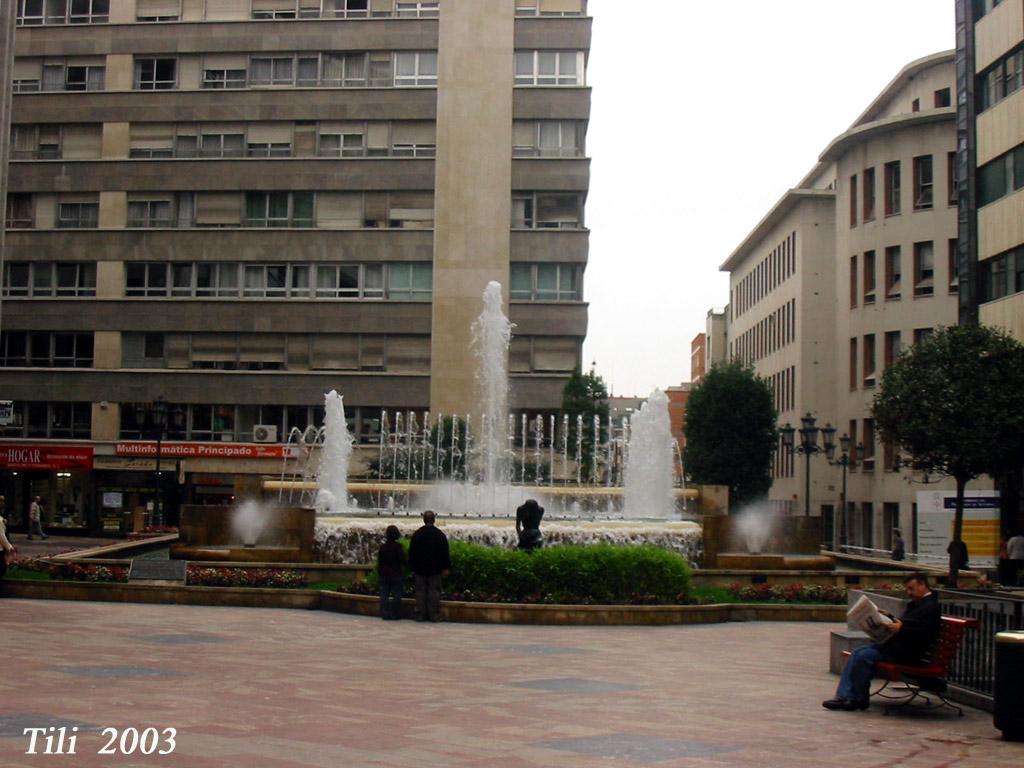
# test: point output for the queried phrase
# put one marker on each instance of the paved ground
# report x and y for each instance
(54, 545)
(289, 689)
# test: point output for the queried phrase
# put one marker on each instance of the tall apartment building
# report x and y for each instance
(990, 164)
(854, 264)
(7, 24)
(237, 205)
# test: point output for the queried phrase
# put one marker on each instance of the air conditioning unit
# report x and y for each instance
(265, 433)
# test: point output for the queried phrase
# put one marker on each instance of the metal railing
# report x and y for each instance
(974, 666)
(885, 554)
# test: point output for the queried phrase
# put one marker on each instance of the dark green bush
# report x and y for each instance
(599, 573)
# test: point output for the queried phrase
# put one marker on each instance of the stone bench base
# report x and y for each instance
(847, 640)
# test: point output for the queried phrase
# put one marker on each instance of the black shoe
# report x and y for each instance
(843, 704)
(864, 704)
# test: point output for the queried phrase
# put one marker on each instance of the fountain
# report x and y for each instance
(648, 492)
(332, 475)
(755, 538)
(492, 333)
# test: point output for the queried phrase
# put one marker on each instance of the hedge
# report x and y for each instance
(593, 574)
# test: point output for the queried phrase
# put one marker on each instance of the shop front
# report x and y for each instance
(59, 475)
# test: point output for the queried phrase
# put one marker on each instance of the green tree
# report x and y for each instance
(731, 433)
(955, 405)
(585, 395)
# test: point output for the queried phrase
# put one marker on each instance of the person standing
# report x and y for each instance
(1015, 551)
(7, 550)
(899, 547)
(429, 561)
(35, 518)
(390, 569)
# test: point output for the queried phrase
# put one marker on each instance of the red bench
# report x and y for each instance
(917, 680)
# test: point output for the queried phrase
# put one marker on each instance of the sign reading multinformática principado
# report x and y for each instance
(27, 456)
(205, 450)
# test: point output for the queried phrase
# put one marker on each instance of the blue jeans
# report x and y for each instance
(390, 597)
(855, 682)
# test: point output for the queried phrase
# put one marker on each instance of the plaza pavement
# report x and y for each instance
(288, 689)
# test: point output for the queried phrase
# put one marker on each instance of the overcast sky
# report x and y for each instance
(704, 114)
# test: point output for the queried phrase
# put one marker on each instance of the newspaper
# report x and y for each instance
(865, 616)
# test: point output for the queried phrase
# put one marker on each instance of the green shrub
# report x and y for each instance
(599, 573)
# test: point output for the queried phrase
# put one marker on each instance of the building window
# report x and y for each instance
(853, 200)
(870, 361)
(943, 98)
(924, 268)
(416, 69)
(893, 272)
(892, 188)
(279, 209)
(951, 184)
(869, 194)
(853, 364)
(224, 78)
(265, 281)
(19, 211)
(543, 210)
(853, 281)
(1001, 176)
(146, 279)
(78, 215)
(157, 10)
(953, 264)
(155, 74)
(222, 145)
(1002, 79)
(350, 281)
(45, 279)
(923, 183)
(271, 71)
(921, 335)
(269, 149)
(892, 347)
(869, 277)
(550, 7)
(46, 349)
(149, 213)
(1002, 275)
(216, 279)
(411, 281)
(84, 78)
(548, 138)
(50, 420)
(418, 8)
(36, 12)
(548, 68)
(868, 458)
(347, 9)
(544, 282)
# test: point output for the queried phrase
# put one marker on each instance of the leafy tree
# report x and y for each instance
(955, 405)
(585, 395)
(731, 433)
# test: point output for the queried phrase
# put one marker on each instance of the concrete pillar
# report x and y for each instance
(473, 185)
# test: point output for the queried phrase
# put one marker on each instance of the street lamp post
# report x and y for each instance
(157, 417)
(845, 460)
(808, 447)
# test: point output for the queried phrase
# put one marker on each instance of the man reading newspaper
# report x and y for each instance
(904, 640)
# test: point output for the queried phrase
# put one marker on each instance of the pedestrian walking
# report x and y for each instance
(35, 518)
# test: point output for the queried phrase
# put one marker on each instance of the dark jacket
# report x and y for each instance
(428, 552)
(922, 622)
(390, 560)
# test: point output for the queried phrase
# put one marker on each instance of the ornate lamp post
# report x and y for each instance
(157, 419)
(845, 460)
(808, 447)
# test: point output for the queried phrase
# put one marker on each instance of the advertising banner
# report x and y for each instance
(25, 456)
(206, 450)
(936, 511)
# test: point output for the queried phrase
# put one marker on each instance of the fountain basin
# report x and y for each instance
(746, 561)
(283, 535)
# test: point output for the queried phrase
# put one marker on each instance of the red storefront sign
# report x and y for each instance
(205, 450)
(45, 456)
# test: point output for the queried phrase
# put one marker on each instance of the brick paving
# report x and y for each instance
(290, 689)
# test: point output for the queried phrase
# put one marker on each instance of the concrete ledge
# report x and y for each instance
(120, 549)
(366, 605)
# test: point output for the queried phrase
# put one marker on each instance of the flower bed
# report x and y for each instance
(788, 593)
(199, 576)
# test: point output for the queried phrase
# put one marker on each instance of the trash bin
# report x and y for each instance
(1008, 704)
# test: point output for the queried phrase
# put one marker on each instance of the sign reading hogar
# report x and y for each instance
(936, 511)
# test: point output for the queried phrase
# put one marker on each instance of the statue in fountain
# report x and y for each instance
(528, 517)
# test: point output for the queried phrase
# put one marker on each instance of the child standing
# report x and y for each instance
(390, 570)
